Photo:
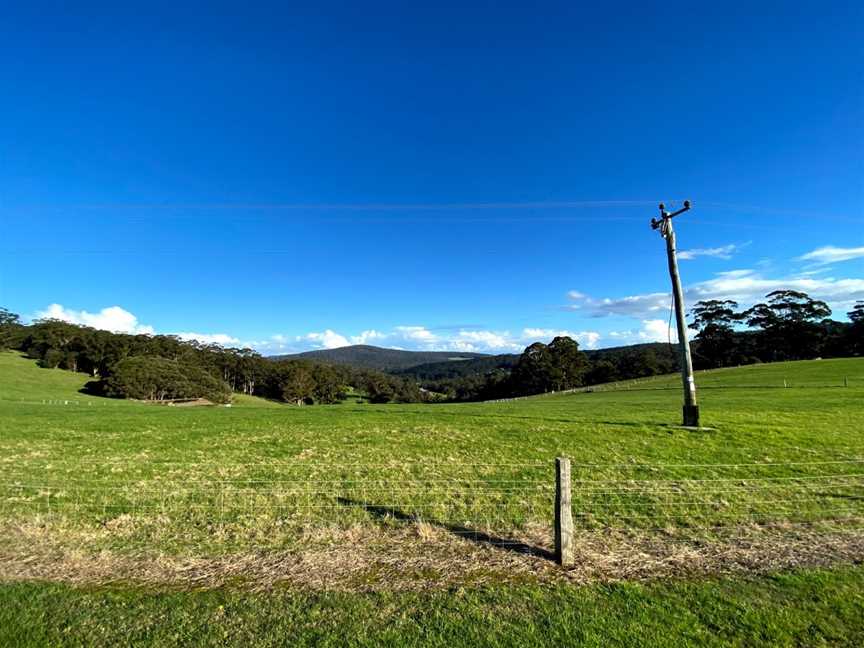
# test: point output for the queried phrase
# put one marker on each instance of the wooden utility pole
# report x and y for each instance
(691, 409)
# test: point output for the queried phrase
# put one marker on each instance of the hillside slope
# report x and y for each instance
(435, 365)
(450, 369)
(371, 357)
(832, 372)
(23, 381)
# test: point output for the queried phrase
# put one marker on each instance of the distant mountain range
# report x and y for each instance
(471, 367)
(372, 357)
(435, 365)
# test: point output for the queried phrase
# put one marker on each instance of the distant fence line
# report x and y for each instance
(643, 384)
(58, 401)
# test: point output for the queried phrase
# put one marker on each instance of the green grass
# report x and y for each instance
(106, 480)
(262, 472)
(805, 608)
(800, 374)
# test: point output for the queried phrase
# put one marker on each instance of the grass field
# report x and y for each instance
(813, 608)
(438, 517)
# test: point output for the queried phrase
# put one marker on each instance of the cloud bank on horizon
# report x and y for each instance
(647, 313)
(120, 320)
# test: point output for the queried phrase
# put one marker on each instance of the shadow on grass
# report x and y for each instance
(662, 425)
(456, 529)
(841, 496)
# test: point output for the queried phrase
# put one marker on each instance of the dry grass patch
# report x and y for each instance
(421, 556)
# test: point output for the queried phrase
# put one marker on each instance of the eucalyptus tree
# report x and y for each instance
(714, 320)
(788, 324)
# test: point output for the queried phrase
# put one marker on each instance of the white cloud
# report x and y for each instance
(745, 286)
(414, 337)
(484, 341)
(831, 254)
(630, 306)
(652, 330)
(589, 339)
(366, 337)
(222, 339)
(722, 252)
(325, 340)
(657, 330)
(113, 318)
(421, 338)
(418, 334)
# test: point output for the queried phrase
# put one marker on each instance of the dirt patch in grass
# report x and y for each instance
(421, 557)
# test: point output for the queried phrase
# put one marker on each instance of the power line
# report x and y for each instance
(402, 207)
(382, 206)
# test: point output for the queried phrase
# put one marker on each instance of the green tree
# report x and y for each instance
(714, 320)
(155, 378)
(532, 373)
(328, 388)
(556, 366)
(379, 388)
(854, 343)
(856, 315)
(601, 372)
(639, 363)
(10, 329)
(569, 364)
(788, 324)
(298, 385)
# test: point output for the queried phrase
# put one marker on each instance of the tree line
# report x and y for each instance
(788, 325)
(164, 367)
(557, 366)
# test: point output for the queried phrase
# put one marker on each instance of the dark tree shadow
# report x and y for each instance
(456, 529)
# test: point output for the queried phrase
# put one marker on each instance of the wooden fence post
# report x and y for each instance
(563, 513)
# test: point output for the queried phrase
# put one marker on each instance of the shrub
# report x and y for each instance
(155, 378)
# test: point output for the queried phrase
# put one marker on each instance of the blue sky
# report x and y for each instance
(448, 177)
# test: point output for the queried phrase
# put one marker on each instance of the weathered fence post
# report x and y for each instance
(563, 513)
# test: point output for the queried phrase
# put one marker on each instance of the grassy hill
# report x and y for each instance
(407, 524)
(372, 357)
(22, 381)
(834, 372)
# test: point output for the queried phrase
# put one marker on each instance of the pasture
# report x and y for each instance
(354, 507)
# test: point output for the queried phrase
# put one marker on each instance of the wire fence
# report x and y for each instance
(647, 384)
(508, 502)
(704, 381)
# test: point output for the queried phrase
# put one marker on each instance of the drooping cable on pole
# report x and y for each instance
(667, 231)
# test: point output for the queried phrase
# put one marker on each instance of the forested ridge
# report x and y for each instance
(163, 367)
(371, 357)
(789, 325)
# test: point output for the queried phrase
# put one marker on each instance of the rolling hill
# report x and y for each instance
(434, 365)
(372, 357)
(450, 369)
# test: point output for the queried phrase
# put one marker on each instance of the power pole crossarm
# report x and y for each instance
(691, 409)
